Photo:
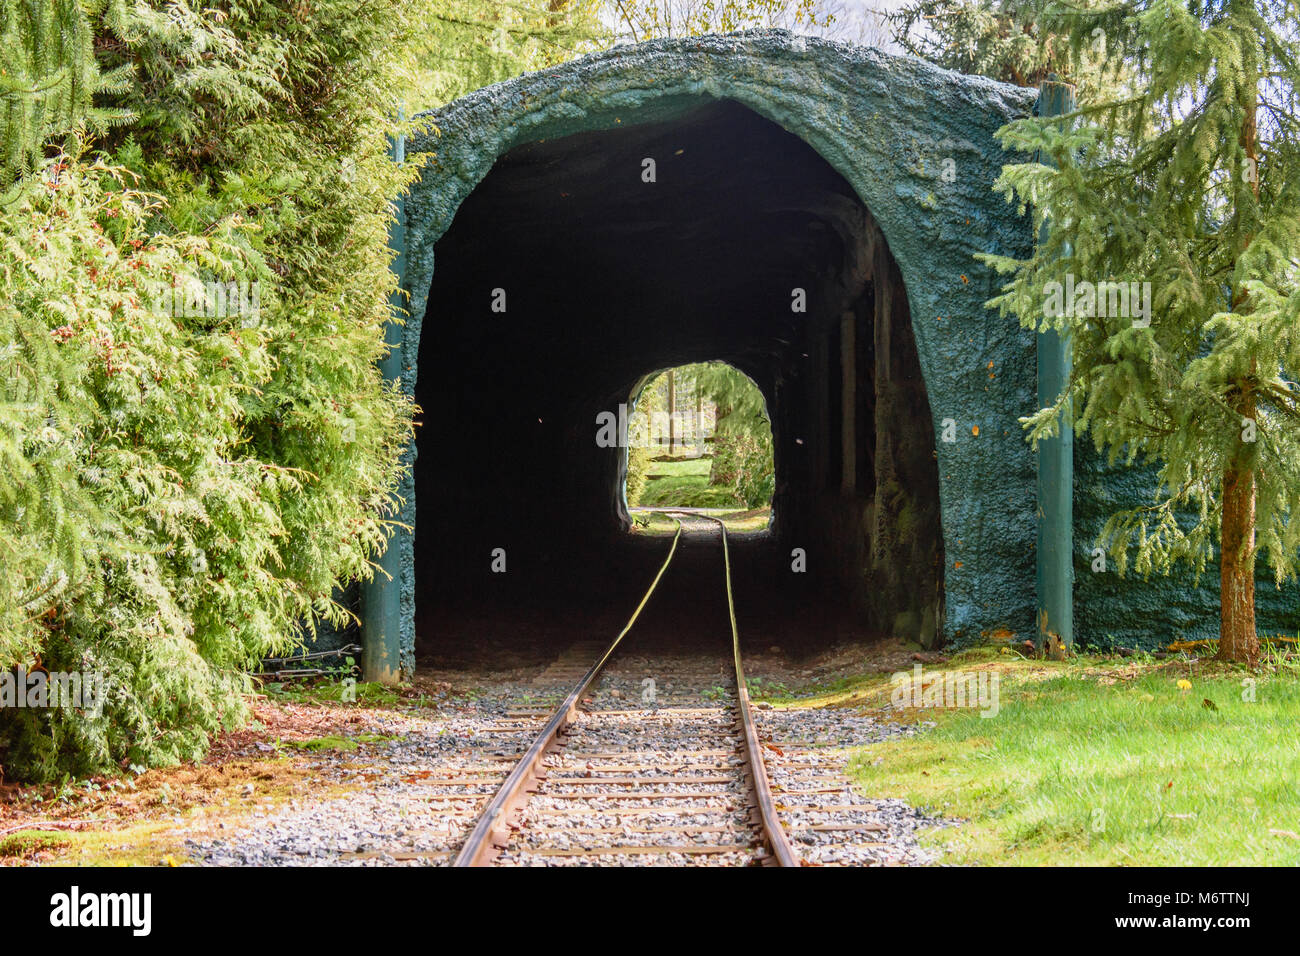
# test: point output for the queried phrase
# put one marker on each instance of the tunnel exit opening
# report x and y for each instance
(698, 437)
(579, 262)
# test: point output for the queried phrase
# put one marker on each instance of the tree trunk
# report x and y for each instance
(699, 416)
(1237, 638)
(672, 413)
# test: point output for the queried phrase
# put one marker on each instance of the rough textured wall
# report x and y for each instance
(889, 125)
(1132, 612)
(906, 555)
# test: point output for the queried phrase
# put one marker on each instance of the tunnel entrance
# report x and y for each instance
(577, 263)
(699, 437)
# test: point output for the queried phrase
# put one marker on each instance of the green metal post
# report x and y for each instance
(381, 606)
(1055, 564)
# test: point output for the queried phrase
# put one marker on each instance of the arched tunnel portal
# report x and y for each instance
(774, 202)
(580, 263)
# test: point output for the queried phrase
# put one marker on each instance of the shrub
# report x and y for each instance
(127, 499)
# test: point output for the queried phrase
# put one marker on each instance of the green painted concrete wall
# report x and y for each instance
(1132, 612)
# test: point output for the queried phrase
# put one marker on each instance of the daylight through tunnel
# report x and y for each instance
(580, 265)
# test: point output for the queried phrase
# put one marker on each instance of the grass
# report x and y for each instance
(761, 688)
(146, 822)
(139, 844)
(756, 519)
(683, 483)
(653, 523)
(1101, 762)
(666, 467)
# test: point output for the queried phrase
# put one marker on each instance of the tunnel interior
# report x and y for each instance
(581, 265)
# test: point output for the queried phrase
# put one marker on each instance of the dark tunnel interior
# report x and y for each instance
(575, 269)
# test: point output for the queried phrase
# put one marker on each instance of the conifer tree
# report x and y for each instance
(1186, 188)
(646, 19)
(47, 82)
(467, 44)
(1008, 40)
(996, 38)
(743, 452)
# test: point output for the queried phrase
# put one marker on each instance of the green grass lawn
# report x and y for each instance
(683, 483)
(1094, 761)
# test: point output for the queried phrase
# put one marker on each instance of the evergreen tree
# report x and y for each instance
(130, 513)
(467, 44)
(646, 405)
(1189, 187)
(184, 486)
(1007, 40)
(995, 38)
(187, 482)
(47, 82)
(742, 441)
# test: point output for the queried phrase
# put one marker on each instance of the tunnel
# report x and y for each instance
(580, 265)
(815, 214)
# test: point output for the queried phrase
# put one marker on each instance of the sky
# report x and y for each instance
(861, 21)
(857, 21)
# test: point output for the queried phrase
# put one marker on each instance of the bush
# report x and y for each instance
(181, 495)
(127, 499)
(638, 463)
(743, 462)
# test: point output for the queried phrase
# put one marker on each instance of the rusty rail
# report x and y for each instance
(780, 852)
(490, 831)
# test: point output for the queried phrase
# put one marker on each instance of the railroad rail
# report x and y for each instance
(715, 742)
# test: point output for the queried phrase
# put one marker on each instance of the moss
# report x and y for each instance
(26, 842)
(365, 694)
(329, 742)
(337, 742)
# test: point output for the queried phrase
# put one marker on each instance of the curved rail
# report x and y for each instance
(774, 836)
(490, 829)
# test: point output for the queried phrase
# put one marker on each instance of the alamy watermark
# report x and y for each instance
(41, 689)
(212, 300)
(684, 428)
(1093, 300)
(949, 689)
(74, 909)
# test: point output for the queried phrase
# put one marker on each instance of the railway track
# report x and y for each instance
(649, 780)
